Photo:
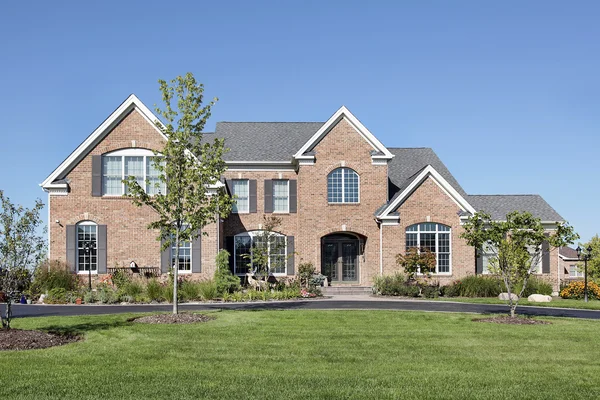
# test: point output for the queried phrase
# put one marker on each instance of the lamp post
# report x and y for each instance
(88, 245)
(586, 257)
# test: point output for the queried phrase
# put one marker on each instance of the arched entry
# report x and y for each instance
(340, 257)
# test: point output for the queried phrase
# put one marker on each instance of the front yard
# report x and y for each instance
(308, 354)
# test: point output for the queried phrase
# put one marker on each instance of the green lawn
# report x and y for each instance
(309, 354)
(556, 302)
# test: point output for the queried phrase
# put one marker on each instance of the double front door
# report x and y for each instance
(339, 258)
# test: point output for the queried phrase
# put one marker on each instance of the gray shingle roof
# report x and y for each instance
(263, 141)
(499, 205)
(568, 252)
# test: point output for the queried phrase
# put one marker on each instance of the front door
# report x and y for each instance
(339, 258)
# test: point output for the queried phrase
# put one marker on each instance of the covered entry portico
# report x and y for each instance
(340, 255)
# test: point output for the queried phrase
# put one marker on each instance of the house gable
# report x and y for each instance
(55, 182)
(379, 154)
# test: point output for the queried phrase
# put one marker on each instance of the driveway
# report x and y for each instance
(333, 303)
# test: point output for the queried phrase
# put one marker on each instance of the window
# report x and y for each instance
(184, 264)
(240, 189)
(245, 242)
(489, 255)
(435, 238)
(139, 163)
(281, 196)
(575, 272)
(87, 247)
(342, 186)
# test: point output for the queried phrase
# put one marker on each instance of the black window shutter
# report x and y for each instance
(229, 243)
(252, 197)
(96, 176)
(101, 249)
(229, 184)
(290, 256)
(165, 258)
(545, 257)
(268, 196)
(479, 265)
(197, 254)
(72, 247)
(293, 195)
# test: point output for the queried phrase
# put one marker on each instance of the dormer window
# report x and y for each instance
(343, 186)
(139, 163)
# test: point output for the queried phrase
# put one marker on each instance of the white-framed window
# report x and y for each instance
(243, 245)
(575, 272)
(343, 186)
(140, 163)
(87, 247)
(535, 263)
(435, 238)
(241, 189)
(281, 196)
(184, 264)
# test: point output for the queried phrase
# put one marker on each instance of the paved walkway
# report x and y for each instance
(339, 302)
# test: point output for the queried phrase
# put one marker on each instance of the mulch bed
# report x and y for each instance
(18, 339)
(183, 318)
(506, 319)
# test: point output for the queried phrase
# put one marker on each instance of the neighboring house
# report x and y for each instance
(570, 267)
(348, 204)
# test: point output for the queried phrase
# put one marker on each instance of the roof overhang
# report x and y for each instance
(427, 172)
(344, 114)
(132, 103)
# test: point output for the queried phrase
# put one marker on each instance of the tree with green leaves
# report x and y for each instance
(517, 246)
(268, 249)
(21, 249)
(188, 194)
(417, 261)
(593, 264)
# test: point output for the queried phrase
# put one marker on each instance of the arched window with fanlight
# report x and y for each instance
(343, 186)
(435, 238)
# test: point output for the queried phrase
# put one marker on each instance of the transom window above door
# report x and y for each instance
(139, 163)
(343, 186)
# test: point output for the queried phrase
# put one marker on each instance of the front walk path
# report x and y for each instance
(337, 302)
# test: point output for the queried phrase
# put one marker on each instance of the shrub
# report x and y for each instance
(390, 285)
(51, 275)
(535, 285)
(480, 286)
(305, 271)
(154, 290)
(430, 291)
(107, 295)
(189, 290)
(451, 290)
(224, 280)
(90, 297)
(120, 278)
(56, 295)
(132, 289)
(207, 290)
(575, 290)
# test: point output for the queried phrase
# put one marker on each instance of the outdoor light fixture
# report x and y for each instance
(586, 257)
(88, 245)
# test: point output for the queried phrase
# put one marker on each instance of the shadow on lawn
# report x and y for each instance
(81, 329)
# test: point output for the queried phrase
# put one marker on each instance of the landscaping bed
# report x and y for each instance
(19, 339)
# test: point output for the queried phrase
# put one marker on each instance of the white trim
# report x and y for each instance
(233, 194)
(130, 104)
(343, 187)
(306, 161)
(134, 152)
(436, 232)
(344, 113)
(49, 224)
(258, 162)
(428, 171)
(273, 195)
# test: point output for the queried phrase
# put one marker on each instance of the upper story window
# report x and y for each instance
(87, 247)
(240, 188)
(139, 163)
(343, 186)
(281, 196)
(433, 237)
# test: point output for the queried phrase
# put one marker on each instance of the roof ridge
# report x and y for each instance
(504, 194)
(408, 148)
(270, 122)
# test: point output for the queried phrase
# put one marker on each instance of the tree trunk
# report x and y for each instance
(176, 274)
(8, 316)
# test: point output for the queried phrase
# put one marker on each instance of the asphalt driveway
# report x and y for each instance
(339, 303)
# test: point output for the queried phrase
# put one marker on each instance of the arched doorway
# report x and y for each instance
(340, 257)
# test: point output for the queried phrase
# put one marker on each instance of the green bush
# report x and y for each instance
(90, 297)
(132, 289)
(535, 285)
(430, 291)
(207, 290)
(189, 290)
(56, 295)
(107, 295)
(120, 278)
(224, 280)
(154, 291)
(390, 285)
(52, 275)
(480, 286)
(451, 290)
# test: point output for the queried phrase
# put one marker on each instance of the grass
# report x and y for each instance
(556, 302)
(309, 355)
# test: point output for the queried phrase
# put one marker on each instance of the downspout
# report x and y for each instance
(380, 224)
(49, 228)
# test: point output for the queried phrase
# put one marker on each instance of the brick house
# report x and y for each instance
(348, 204)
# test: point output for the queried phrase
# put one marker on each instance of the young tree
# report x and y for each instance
(21, 249)
(417, 261)
(593, 263)
(188, 194)
(267, 249)
(517, 245)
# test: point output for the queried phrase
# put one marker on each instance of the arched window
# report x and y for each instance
(343, 186)
(87, 247)
(435, 238)
(244, 245)
(140, 163)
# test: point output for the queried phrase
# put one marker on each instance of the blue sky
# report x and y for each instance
(506, 93)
